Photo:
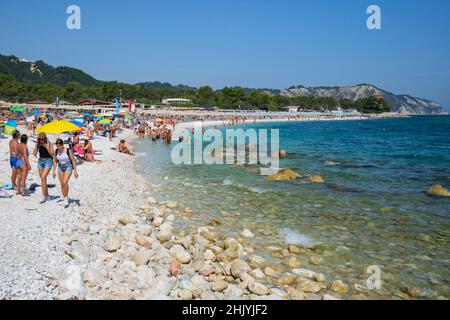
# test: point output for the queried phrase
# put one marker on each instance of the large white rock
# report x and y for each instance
(151, 201)
(181, 254)
(247, 234)
(165, 232)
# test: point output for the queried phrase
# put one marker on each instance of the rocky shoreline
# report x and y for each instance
(125, 247)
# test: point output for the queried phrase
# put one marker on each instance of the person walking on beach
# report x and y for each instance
(66, 163)
(23, 165)
(13, 149)
(45, 163)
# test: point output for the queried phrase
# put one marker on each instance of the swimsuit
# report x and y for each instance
(21, 162)
(13, 162)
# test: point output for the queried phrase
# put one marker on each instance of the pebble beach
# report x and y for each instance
(121, 240)
(115, 241)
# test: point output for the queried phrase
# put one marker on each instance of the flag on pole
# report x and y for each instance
(130, 102)
(117, 105)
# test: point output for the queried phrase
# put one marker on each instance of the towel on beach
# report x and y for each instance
(4, 194)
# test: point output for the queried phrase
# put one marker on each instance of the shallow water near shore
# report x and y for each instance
(372, 210)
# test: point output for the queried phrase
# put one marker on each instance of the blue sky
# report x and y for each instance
(252, 43)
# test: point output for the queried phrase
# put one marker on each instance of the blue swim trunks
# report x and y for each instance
(13, 162)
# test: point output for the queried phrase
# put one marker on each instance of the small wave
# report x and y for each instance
(258, 190)
(294, 237)
(331, 163)
(227, 182)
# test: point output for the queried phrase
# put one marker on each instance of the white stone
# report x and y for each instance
(247, 233)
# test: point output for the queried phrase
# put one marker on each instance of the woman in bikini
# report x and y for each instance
(23, 164)
(66, 163)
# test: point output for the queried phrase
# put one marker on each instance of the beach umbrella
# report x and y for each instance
(86, 114)
(77, 123)
(104, 121)
(17, 109)
(9, 130)
(10, 127)
(129, 117)
(11, 123)
(56, 127)
(108, 114)
(37, 111)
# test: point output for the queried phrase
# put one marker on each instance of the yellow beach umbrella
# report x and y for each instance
(56, 127)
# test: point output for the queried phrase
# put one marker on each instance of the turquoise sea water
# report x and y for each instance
(368, 165)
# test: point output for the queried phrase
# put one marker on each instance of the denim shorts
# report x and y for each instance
(67, 167)
(45, 164)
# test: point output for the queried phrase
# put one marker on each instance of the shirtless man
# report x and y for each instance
(13, 151)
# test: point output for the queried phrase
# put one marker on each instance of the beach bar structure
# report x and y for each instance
(175, 101)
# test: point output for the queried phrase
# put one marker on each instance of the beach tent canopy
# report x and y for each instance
(17, 109)
(56, 127)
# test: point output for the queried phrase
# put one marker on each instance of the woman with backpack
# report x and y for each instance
(65, 160)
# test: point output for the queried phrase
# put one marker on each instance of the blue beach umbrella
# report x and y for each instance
(11, 123)
(77, 123)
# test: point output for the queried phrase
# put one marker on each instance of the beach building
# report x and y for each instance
(175, 101)
(39, 102)
(292, 109)
(95, 103)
